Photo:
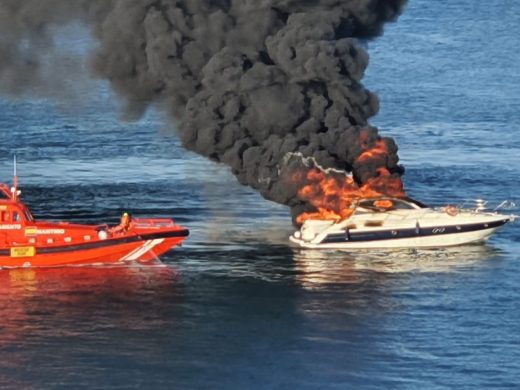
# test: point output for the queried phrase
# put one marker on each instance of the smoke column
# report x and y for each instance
(30, 62)
(249, 82)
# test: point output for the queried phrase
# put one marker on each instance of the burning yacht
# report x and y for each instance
(400, 222)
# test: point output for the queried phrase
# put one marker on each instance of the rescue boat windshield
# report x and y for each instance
(28, 215)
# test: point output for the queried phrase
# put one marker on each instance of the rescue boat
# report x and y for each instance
(26, 242)
(391, 222)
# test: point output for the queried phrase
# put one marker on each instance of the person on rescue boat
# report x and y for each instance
(124, 224)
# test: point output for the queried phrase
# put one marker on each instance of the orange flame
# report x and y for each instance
(332, 194)
(380, 149)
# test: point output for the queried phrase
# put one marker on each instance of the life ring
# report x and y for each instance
(451, 210)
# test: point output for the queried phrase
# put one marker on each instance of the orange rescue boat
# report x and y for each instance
(25, 242)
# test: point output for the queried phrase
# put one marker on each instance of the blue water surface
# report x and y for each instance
(236, 307)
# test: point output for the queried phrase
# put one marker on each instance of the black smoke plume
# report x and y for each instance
(30, 61)
(249, 82)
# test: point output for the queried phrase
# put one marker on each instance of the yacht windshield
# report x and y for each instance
(389, 204)
(416, 202)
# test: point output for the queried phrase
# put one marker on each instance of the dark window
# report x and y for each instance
(401, 205)
(416, 202)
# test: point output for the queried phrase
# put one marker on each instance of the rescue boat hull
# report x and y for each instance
(142, 248)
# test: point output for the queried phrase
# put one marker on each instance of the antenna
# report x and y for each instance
(14, 190)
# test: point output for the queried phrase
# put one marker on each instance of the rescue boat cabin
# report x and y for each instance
(18, 226)
(14, 213)
(12, 210)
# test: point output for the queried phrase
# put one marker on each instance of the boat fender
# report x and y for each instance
(102, 234)
(451, 210)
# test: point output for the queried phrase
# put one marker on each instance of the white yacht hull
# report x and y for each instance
(416, 242)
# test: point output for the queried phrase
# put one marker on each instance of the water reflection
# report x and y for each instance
(38, 302)
(318, 267)
(71, 318)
